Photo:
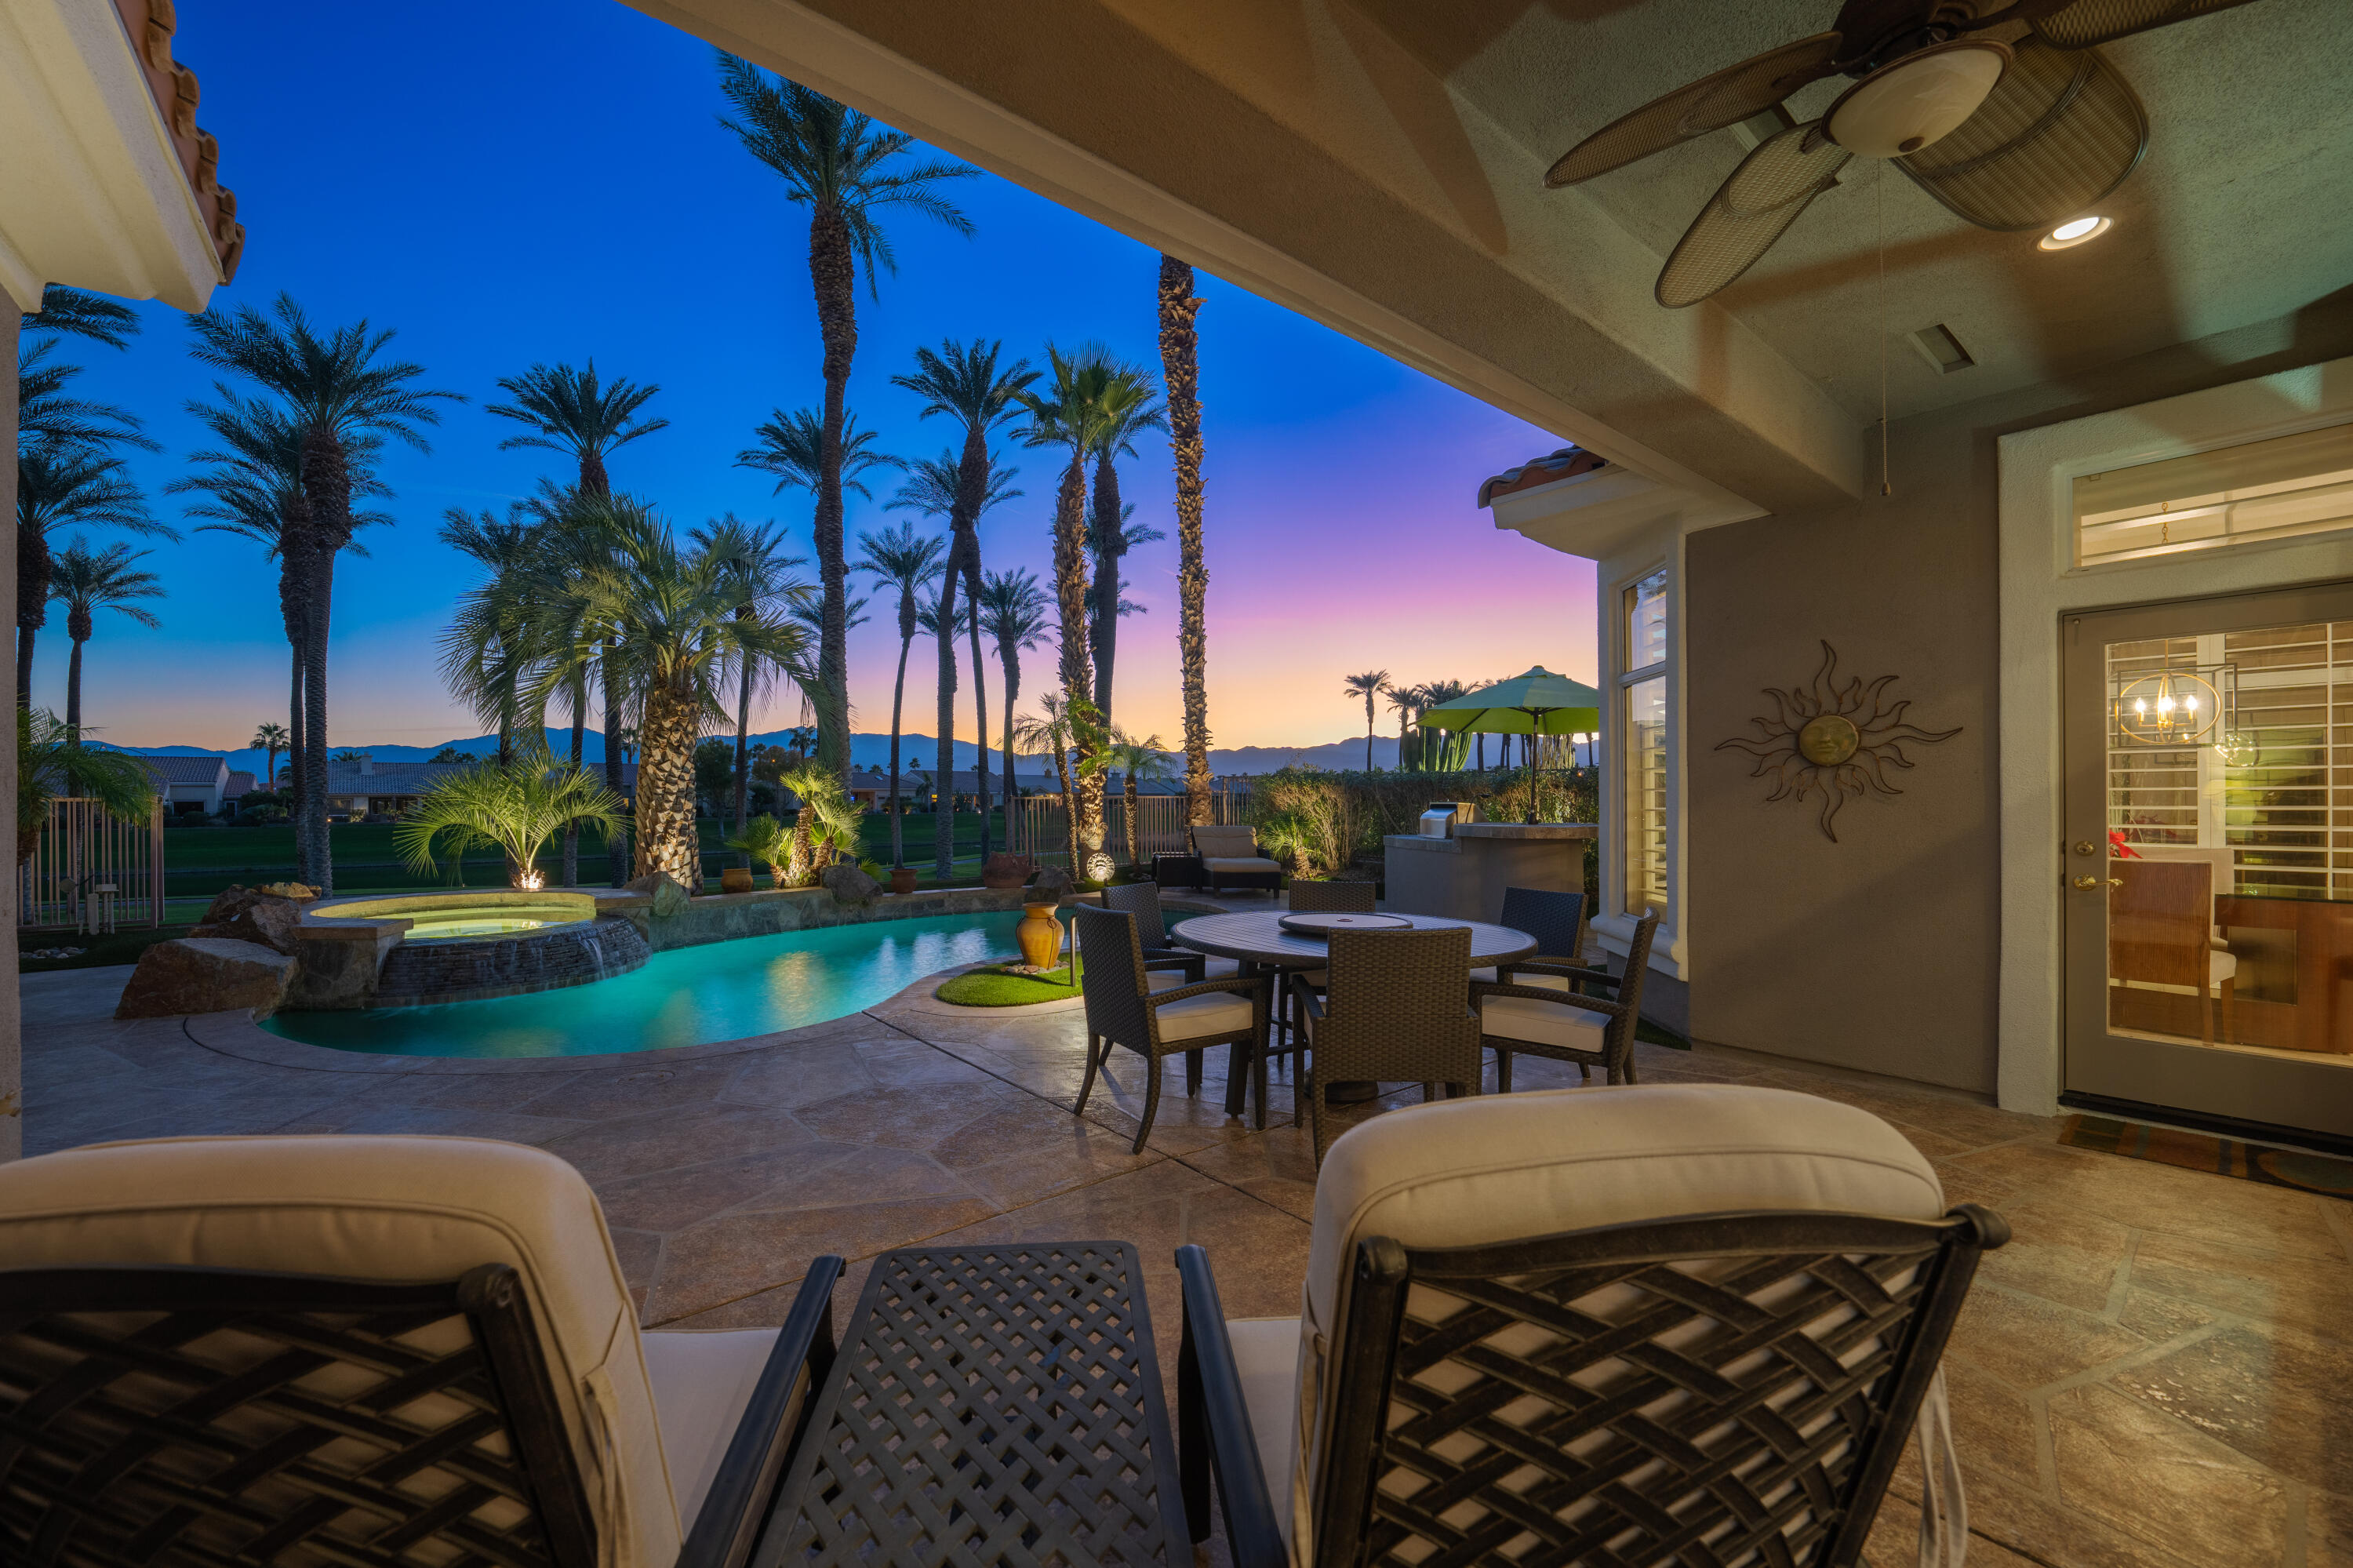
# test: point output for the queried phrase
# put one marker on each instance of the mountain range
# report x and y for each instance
(916, 752)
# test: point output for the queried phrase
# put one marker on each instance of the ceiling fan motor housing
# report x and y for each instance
(1917, 100)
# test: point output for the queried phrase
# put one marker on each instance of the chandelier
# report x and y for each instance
(2176, 708)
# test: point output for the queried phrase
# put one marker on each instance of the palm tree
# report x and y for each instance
(900, 558)
(1013, 613)
(271, 738)
(46, 414)
(1368, 685)
(88, 580)
(80, 314)
(1136, 760)
(486, 659)
(680, 637)
(60, 486)
(336, 388)
(53, 764)
(845, 169)
(515, 804)
(1049, 730)
(766, 578)
(1180, 368)
(1407, 703)
(570, 411)
(963, 382)
(1128, 410)
(255, 491)
(1067, 415)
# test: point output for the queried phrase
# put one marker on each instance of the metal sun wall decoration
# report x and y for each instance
(1840, 739)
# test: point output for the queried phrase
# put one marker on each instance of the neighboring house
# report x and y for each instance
(190, 786)
(241, 784)
(366, 788)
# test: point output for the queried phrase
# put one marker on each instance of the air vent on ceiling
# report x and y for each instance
(1940, 348)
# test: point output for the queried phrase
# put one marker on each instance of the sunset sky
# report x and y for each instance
(534, 181)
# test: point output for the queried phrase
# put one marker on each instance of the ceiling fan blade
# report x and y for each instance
(2061, 130)
(1748, 212)
(1711, 103)
(2079, 24)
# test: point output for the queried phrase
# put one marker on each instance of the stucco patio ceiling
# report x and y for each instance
(1379, 163)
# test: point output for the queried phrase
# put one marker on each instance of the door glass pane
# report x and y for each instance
(1645, 751)
(2229, 876)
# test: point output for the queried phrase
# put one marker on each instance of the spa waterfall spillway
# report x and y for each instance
(422, 949)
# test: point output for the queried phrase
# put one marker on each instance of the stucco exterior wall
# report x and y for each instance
(1882, 951)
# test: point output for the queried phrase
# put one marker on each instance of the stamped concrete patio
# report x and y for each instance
(2151, 1374)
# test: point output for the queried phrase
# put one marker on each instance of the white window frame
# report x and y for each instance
(1611, 925)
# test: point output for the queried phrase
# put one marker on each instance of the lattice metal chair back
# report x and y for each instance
(210, 1416)
(1395, 1011)
(454, 1379)
(1330, 897)
(1124, 1011)
(1723, 1370)
(1543, 1009)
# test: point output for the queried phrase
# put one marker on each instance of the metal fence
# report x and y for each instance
(1040, 825)
(92, 871)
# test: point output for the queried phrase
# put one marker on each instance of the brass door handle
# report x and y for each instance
(2087, 884)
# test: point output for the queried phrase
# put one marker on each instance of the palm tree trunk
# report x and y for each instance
(294, 763)
(24, 666)
(579, 749)
(73, 691)
(979, 692)
(743, 753)
(1128, 796)
(1105, 535)
(1012, 661)
(615, 770)
(832, 272)
(898, 700)
(944, 781)
(1070, 808)
(311, 837)
(32, 604)
(665, 811)
(1089, 860)
(1180, 368)
(1369, 716)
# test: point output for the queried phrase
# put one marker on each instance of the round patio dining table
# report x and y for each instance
(1257, 942)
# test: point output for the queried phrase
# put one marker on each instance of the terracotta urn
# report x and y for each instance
(1040, 936)
(735, 879)
(902, 879)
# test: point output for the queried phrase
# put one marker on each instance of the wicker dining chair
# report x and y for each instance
(1539, 1012)
(1393, 1011)
(1556, 920)
(1162, 962)
(1330, 897)
(390, 1352)
(1683, 1323)
(1123, 1010)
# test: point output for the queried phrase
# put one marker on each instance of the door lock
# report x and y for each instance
(2085, 846)
(2087, 884)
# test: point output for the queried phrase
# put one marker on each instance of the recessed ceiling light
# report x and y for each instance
(2075, 233)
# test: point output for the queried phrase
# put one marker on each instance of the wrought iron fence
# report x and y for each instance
(93, 871)
(1040, 825)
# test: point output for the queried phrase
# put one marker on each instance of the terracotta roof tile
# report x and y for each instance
(1566, 463)
(150, 24)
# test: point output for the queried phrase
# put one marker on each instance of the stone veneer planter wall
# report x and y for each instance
(723, 917)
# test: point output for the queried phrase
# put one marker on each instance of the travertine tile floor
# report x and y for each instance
(2155, 1372)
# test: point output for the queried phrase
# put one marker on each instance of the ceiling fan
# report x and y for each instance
(2005, 114)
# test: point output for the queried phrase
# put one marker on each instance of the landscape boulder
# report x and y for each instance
(249, 915)
(1006, 869)
(205, 974)
(668, 893)
(1053, 883)
(849, 885)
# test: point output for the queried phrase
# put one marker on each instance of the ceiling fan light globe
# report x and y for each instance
(1917, 101)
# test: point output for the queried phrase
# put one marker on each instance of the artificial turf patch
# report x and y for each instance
(1000, 985)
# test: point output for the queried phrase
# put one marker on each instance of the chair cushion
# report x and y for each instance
(1542, 1022)
(1266, 1355)
(1549, 982)
(1218, 1012)
(702, 1381)
(1230, 840)
(393, 1209)
(1504, 1167)
(1166, 979)
(1238, 865)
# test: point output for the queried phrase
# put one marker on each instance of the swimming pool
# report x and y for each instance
(494, 920)
(725, 991)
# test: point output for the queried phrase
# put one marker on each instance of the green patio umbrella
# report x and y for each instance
(1538, 703)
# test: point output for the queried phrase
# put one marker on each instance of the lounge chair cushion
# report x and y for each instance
(401, 1209)
(1504, 1167)
(702, 1381)
(1216, 1012)
(1229, 841)
(1570, 1027)
(1238, 865)
(1266, 1355)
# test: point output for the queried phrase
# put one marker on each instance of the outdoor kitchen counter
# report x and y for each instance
(1463, 877)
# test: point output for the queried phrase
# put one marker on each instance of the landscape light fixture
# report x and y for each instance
(2076, 232)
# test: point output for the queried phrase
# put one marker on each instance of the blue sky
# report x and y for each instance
(531, 181)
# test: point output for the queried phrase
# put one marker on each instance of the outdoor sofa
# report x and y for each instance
(1230, 858)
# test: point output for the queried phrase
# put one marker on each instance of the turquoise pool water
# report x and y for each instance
(725, 991)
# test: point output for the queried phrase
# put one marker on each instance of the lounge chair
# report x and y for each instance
(365, 1350)
(1685, 1323)
(1230, 858)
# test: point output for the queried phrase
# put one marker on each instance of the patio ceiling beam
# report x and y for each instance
(1294, 151)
